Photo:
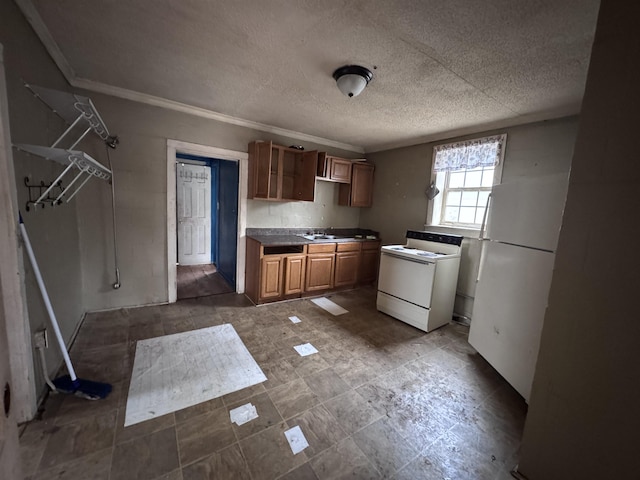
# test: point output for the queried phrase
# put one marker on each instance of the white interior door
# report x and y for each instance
(194, 214)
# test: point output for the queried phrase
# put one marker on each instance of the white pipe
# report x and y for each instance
(43, 363)
(47, 302)
(117, 284)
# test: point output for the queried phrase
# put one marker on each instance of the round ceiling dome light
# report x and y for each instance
(351, 79)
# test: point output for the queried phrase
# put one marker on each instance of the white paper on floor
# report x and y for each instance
(295, 319)
(296, 439)
(329, 306)
(305, 349)
(181, 370)
(243, 414)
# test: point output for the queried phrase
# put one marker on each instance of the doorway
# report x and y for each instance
(207, 225)
(242, 159)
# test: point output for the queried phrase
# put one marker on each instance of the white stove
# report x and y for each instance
(417, 281)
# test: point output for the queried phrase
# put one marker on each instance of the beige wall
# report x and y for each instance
(583, 417)
(402, 176)
(139, 165)
(323, 212)
(53, 231)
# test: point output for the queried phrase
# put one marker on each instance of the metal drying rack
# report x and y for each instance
(76, 110)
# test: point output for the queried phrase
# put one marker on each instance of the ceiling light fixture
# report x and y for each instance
(352, 79)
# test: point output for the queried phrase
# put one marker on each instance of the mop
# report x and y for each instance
(70, 384)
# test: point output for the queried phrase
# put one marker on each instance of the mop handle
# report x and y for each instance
(47, 302)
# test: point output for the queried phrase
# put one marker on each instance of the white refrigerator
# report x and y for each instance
(514, 275)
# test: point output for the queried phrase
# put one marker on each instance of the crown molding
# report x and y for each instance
(204, 113)
(36, 22)
(38, 25)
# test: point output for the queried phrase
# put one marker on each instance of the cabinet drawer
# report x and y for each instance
(348, 247)
(321, 248)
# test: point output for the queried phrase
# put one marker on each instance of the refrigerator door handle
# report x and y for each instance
(484, 219)
(482, 238)
(481, 262)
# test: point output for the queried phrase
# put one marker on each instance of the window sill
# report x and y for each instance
(465, 232)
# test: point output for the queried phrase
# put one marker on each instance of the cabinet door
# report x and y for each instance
(334, 169)
(259, 169)
(346, 268)
(362, 185)
(319, 272)
(369, 262)
(276, 172)
(271, 277)
(339, 169)
(360, 192)
(294, 274)
(305, 178)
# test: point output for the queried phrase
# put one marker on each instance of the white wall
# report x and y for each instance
(402, 176)
(583, 419)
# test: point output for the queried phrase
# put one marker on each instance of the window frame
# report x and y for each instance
(436, 205)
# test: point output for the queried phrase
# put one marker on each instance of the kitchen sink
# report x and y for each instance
(319, 236)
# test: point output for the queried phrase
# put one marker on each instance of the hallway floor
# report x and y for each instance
(380, 400)
(200, 281)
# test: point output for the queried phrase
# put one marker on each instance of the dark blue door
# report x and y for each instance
(227, 220)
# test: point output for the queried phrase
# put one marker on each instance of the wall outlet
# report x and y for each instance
(41, 339)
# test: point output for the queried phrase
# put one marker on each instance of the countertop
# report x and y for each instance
(279, 240)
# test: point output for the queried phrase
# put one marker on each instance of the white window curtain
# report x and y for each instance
(481, 152)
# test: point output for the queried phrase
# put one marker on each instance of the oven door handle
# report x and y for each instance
(422, 262)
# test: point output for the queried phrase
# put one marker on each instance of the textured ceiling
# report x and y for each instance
(441, 68)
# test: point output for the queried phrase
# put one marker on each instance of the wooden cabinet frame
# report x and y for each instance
(283, 272)
(334, 169)
(280, 173)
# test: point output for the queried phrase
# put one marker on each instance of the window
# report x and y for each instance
(463, 174)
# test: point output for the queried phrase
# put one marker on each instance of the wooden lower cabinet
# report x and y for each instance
(346, 269)
(319, 272)
(271, 277)
(347, 263)
(369, 262)
(294, 274)
(283, 272)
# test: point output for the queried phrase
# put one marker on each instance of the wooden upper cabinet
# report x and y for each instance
(281, 173)
(360, 192)
(334, 169)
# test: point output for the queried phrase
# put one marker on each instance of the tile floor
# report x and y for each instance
(200, 281)
(380, 400)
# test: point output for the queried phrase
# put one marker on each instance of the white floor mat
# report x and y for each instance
(184, 369)
(329, 306)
